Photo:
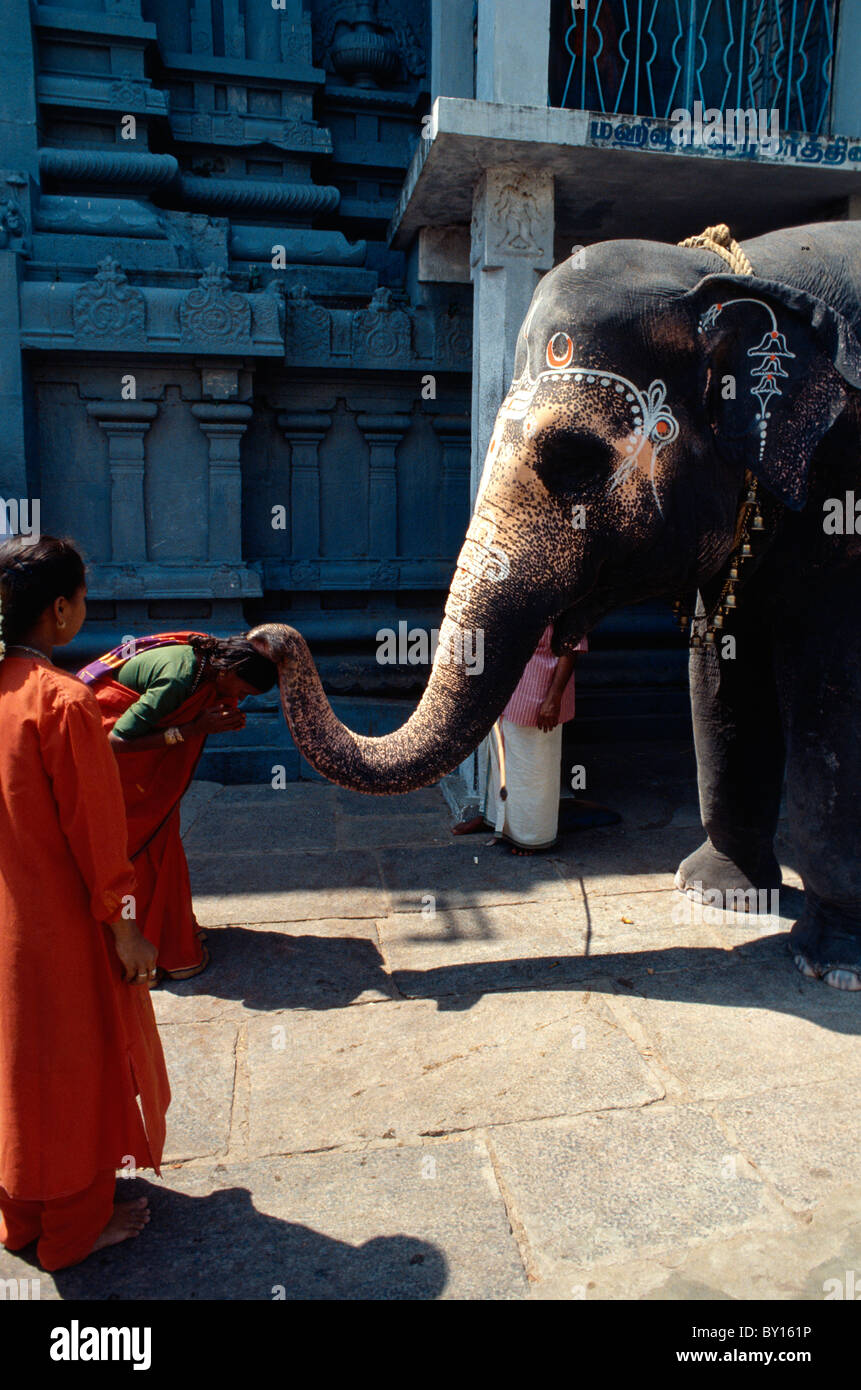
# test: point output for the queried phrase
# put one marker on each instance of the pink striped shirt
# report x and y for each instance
(535, 682)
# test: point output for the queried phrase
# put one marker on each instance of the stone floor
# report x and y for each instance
(421, 1068)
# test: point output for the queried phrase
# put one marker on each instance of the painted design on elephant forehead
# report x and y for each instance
(769, 350)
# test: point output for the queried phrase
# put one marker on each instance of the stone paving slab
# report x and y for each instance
(624, 1183)
(622, 859)
(201, 1061)
(808, 1260)
(427, 801)
(749, 1029)
(260, 828)
(289, 887)
(468, 872)
(405, 1224)
(398, 1072)
(385, 831)
(479, 950)
(194, 803)
(262, 966)
(805, 1141)
(529, 945)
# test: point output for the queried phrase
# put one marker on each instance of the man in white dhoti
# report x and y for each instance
(528, 737)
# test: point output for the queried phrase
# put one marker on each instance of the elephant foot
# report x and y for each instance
(826, 945)
(740, 888)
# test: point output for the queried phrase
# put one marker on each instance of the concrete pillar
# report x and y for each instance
(125, 423)
(845, 89)
(383, 433)
(305, 433)
(452, 49)
(512, 56)
(512, 247)
(224, 426)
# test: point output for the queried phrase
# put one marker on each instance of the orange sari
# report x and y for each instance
(77, 1044)
(153, 785)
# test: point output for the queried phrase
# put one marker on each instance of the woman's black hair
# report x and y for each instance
(236, 654)
(33, 573)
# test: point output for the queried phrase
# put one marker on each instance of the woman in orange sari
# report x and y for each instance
(78, 1039)
(159, 697)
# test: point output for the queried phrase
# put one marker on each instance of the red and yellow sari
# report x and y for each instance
(153, 785)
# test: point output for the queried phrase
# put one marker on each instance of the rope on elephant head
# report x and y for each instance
(720, 240)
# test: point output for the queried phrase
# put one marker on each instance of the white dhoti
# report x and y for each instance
(529, 816)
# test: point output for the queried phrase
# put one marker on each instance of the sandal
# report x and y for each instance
(193, 970)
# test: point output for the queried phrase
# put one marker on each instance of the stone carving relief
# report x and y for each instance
(308, 324)
(13, 220)
(371, 43)
(214, 311)
(383, 329)
(515, 217)
(108, 306)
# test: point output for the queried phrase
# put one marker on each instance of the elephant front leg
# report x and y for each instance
(740, 758)
(819, 679)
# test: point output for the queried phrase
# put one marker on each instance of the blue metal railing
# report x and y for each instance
(650, 57)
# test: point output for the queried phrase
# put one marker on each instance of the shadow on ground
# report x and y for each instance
(270, 971)
(220, 1247)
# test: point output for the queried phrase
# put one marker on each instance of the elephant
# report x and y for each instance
(682, 420)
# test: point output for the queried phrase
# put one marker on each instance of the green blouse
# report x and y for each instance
(164, 678)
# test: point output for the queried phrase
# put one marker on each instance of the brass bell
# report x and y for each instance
(751, 496)
(684, 620)
(710, 637)
(729, 601)
(733, 574)
(746, 551)
(758, 523)
(718, 620)
(696, 640)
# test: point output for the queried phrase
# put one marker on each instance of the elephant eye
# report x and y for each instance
(565, 461)
(560, 350)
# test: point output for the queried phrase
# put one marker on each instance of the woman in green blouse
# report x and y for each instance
(159, 702)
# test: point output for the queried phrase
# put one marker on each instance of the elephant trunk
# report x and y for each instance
(456, 711)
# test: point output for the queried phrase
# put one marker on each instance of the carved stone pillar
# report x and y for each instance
(125, 423)
(383, 433)
(305, 433)
(512, 247)
(224, 426)
(453, 433)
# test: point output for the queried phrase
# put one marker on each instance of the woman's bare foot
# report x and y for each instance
(128, 1220)
(469, 827)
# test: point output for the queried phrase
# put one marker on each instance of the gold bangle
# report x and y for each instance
(173, 735)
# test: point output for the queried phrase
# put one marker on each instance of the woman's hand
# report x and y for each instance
(218, 719)
(137, 955)
(548, 714)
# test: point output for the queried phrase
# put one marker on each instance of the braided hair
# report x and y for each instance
(33, 573)
(234, 654)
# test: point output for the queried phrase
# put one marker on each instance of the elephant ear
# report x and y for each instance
(780, 363)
